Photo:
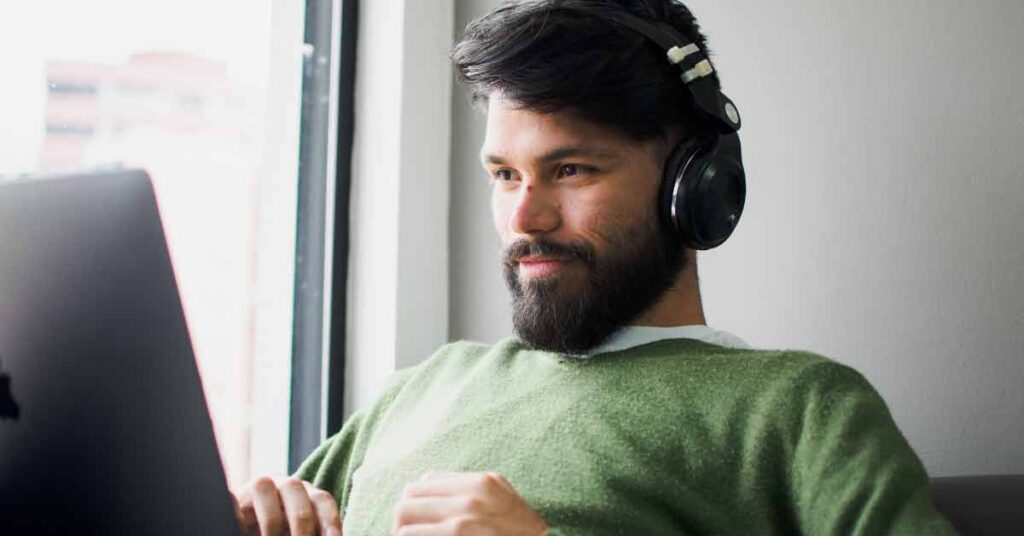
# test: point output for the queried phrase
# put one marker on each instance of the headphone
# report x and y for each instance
(703, 186)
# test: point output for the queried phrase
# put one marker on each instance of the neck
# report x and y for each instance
(680, 305)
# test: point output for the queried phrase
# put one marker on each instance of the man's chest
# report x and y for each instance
(577, 462)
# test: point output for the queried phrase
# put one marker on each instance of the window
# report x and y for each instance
(207, 97)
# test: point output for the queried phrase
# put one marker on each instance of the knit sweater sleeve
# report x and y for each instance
(331, 465)
(852, 470)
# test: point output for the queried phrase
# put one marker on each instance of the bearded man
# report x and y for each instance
(615, 410)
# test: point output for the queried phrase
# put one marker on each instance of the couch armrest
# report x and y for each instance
(982, 505)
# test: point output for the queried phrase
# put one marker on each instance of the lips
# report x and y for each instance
(540, 266)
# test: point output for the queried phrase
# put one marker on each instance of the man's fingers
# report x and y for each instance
(464, 503)
(246, 514)
(422, 530)
(286, 507)
(302, 519)
(426, 510)
(440, 484)
(326, 510)
(438, 498)
(460, 525)
(269, 510)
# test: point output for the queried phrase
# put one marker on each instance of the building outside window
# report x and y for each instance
(206, 97)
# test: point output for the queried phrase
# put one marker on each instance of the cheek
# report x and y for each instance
(499, 212)
(598, 218)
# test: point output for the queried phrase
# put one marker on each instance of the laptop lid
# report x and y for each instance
(103, 423)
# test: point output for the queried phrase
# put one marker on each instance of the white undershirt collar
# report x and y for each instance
(631, 336)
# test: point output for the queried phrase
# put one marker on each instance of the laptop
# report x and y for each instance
(103, 424)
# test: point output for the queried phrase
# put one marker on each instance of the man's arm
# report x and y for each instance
(852, 470)
(331, 465)
(315, 497)
(295, 506)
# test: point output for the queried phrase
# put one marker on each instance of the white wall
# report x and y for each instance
(884, 145)
(398, 259)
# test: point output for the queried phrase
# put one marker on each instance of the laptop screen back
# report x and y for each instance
(105, 428)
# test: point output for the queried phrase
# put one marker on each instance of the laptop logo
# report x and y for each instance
(8, 407)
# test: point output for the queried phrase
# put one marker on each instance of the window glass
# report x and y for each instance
(205, 96)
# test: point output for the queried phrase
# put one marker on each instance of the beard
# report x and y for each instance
(641, 263)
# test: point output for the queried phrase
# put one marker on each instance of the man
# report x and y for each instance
(615, 409)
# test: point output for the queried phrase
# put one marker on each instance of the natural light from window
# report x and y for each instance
(205, 96)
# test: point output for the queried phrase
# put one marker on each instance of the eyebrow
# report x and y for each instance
(558, 153)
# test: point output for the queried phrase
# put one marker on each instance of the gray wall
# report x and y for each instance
(884, 144)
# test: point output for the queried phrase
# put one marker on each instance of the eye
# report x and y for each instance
(572, 170)
(502, 175)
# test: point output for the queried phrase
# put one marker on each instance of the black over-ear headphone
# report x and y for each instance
(704, 186)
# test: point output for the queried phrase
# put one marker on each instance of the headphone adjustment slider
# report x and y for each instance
(702, 69)
(677, 54)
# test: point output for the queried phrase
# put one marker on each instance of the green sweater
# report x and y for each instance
(669, 438)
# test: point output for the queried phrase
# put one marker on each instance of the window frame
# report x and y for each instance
(322, 234)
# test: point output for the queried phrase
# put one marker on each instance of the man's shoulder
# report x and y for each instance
(471, 348)
(760, 360)
(750, 370)
(453, 357)
(805, 383)
(467, 351)
(804, 370)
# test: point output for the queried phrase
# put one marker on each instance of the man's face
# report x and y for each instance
(575, 205)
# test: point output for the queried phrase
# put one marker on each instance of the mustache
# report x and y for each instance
(543, 247)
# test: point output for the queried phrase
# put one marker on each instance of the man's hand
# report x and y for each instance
(286, 507)
(464, 504)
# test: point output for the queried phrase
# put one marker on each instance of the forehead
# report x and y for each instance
(512, 131)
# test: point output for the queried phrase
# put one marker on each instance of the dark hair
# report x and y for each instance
(566, 55)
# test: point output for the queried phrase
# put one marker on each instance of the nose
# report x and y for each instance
(535, 210)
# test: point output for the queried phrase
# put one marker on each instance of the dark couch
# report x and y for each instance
(982, 505)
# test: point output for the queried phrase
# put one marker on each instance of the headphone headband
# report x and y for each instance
(696, 70)
(703, 186)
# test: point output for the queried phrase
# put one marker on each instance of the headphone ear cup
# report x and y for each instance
(671, 200)
(703, 191)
